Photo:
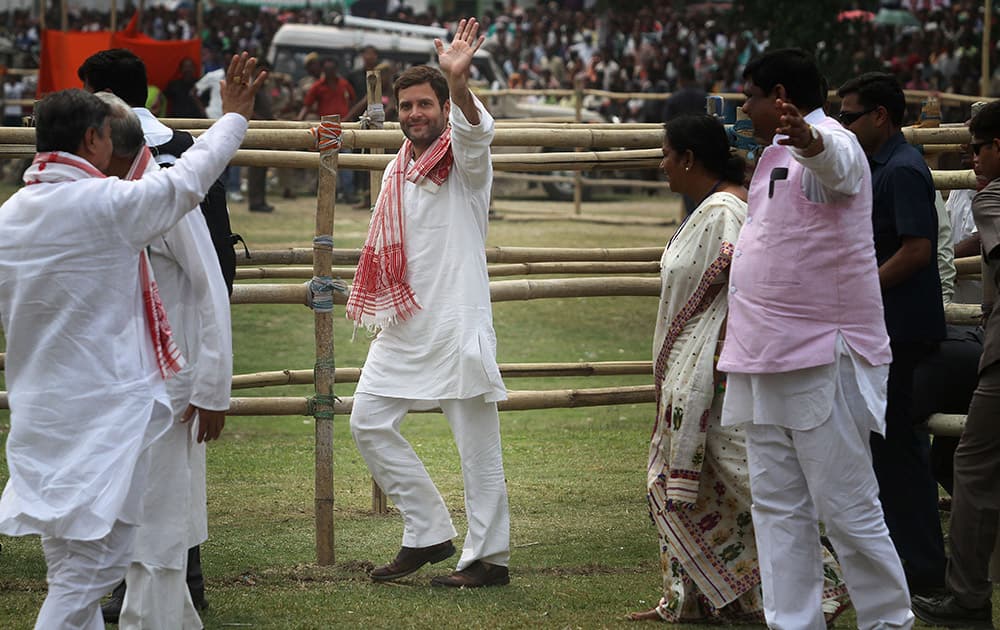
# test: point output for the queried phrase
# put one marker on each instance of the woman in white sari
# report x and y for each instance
(698, 487)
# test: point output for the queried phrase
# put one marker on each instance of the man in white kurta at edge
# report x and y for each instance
(428, 293)
(806, 354)
(87, 394)
(197, 304)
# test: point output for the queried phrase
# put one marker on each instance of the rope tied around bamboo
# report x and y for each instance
(321, 288)
(328, 136)
(321, 406)
(374, 117)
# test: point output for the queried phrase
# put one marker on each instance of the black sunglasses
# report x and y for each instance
(847, 118)
(976, 147)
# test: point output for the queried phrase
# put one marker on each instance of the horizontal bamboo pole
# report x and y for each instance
(275, 294)
(304, 140)
(934, 149)
(587, 181)
(938, 424)
(303, 255)
(936, 135)
(516, 401)
(968, 266)
(508, 370)
(524, 162)
(963, 314)
(511, 290)
(954, 180)
(549, 122)
(514, 269)
(946, 424)
(581, 135)
(500, 291)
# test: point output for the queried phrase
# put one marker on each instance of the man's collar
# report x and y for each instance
(888, 148)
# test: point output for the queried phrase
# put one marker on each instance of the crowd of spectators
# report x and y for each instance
(549, 45)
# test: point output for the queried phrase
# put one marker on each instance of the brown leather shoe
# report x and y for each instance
(477, 574)
(409, 559)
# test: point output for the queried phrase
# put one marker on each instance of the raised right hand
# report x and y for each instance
(239, 87)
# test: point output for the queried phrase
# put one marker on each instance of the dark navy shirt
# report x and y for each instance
(903, 205)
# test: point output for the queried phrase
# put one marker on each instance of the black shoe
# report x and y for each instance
(112, 609)
(261, 207)
(944, 610)
(409, 559)
(475, 575)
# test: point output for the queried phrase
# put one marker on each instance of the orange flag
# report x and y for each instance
(64, 51)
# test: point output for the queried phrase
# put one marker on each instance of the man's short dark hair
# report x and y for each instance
(119, 71)
(986, 124)
(793, 68)
(878, 88)
(416, 75)
(63, 118)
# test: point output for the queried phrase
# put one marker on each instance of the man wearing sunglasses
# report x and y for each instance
(975, 497)
(905, 225)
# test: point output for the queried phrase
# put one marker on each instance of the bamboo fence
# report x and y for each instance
(503, 261)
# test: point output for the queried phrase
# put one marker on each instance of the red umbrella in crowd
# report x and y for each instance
(855, 14)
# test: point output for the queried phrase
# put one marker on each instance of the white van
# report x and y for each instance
(293, 42)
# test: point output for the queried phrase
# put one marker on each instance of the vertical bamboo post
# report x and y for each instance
(114, 15)
(42, 7)
(323, 373)
(375, 119)
(199, 17)
(984, 77)
(63, 15)
(577, 175)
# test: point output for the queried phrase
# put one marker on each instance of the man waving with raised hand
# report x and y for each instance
(422, 283)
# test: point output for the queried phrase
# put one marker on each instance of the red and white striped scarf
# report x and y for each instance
(51, 167)
(380, 295)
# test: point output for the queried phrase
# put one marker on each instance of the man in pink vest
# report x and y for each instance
(807, 354)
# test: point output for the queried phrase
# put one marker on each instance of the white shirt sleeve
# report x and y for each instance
(839, 168)
(471, 146)
(190, 243)
(148, 207)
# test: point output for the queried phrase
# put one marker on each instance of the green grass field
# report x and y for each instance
(584, 549)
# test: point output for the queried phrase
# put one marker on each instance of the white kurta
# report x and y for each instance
(197, 302)
(447, 350)
(81, 371)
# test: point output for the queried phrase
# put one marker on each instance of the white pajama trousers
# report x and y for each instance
(475, 424)
(825, 473)
(157, 598)
(79, 574)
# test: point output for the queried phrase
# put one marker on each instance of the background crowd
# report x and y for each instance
(654, 48)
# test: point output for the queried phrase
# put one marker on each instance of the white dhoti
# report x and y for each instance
(394, 465)
(801, 476)
(80, 573)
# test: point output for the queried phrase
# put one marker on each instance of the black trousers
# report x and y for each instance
(907, 488)
(943, 382)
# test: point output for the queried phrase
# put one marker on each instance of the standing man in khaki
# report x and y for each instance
(422, 282)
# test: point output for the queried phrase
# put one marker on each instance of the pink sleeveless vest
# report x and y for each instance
(802, 272)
